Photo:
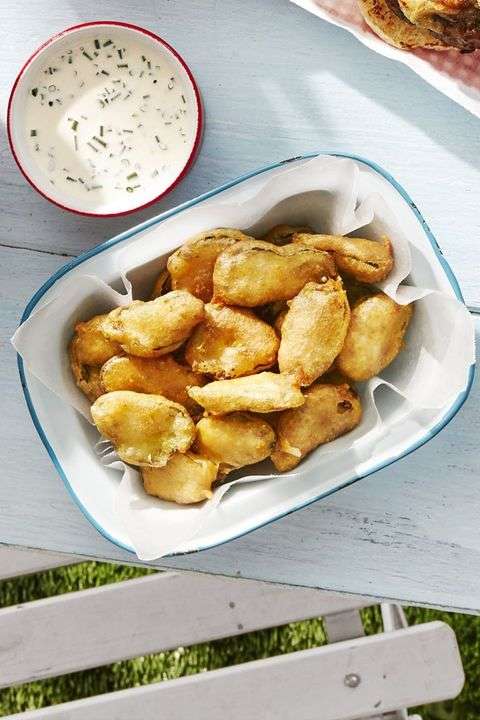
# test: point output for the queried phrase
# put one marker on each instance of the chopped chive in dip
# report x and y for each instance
(102, 142)
(100, 88)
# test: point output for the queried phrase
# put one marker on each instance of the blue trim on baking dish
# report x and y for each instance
(169, 213)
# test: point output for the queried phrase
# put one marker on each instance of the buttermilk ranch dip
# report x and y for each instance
(110, 121)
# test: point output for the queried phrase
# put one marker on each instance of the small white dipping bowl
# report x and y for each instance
(92, 191)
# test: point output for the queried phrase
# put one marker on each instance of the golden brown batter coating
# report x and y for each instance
(157, 327)
(191, 266)
(153, 376)
(329, 411)
(375, 336)
(262, 393)
(185, 479)
(313, 331)
(367, 261)
(252, 273)
(144, 429)
(231, 342)
(235, 440)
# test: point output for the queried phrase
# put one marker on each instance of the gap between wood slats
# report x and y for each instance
(15, 562)
(114, 622)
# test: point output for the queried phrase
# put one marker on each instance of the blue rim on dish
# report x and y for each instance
(450, 414)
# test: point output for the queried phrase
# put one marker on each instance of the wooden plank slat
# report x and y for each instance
(400, 669)
(15, 561)
(95, 627)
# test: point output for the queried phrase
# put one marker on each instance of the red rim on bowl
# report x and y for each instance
(198, 132)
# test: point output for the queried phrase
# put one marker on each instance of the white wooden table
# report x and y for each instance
(276, 82)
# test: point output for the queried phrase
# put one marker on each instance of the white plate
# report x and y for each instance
(70, 441)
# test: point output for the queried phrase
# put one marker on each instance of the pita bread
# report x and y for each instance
(395, 31)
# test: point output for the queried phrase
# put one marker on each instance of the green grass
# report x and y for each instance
(207, 656)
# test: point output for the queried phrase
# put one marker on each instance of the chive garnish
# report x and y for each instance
(70, 178)
(107, 43)
(75, 142)
(120, 54)
(122, 65)
(145, 97)
(97, 44)
(89, 57)
(33, 133)
(132, 175)
(104, 72)
(127, 131)
(92, 146)
(74, 125)
(95, 187)
(81, 180)
(102, 142)
(101, 130)
(149, 65)
(129, 189)
(144, 59)
(70, 60)
(34, 92)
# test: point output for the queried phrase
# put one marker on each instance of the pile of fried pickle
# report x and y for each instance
(246, 350)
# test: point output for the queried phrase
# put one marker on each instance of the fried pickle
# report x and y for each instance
(187, 478)
(235, 440)
(161, 285)
(88, 350)
(329, 411)
(252, 273)
(231, 342)
(154, 376)
(191, 266)
(144, 429)
(313, 331)
(375, 336)
(368, 261)
(263, 393)
(282, 234)
(157, 327)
